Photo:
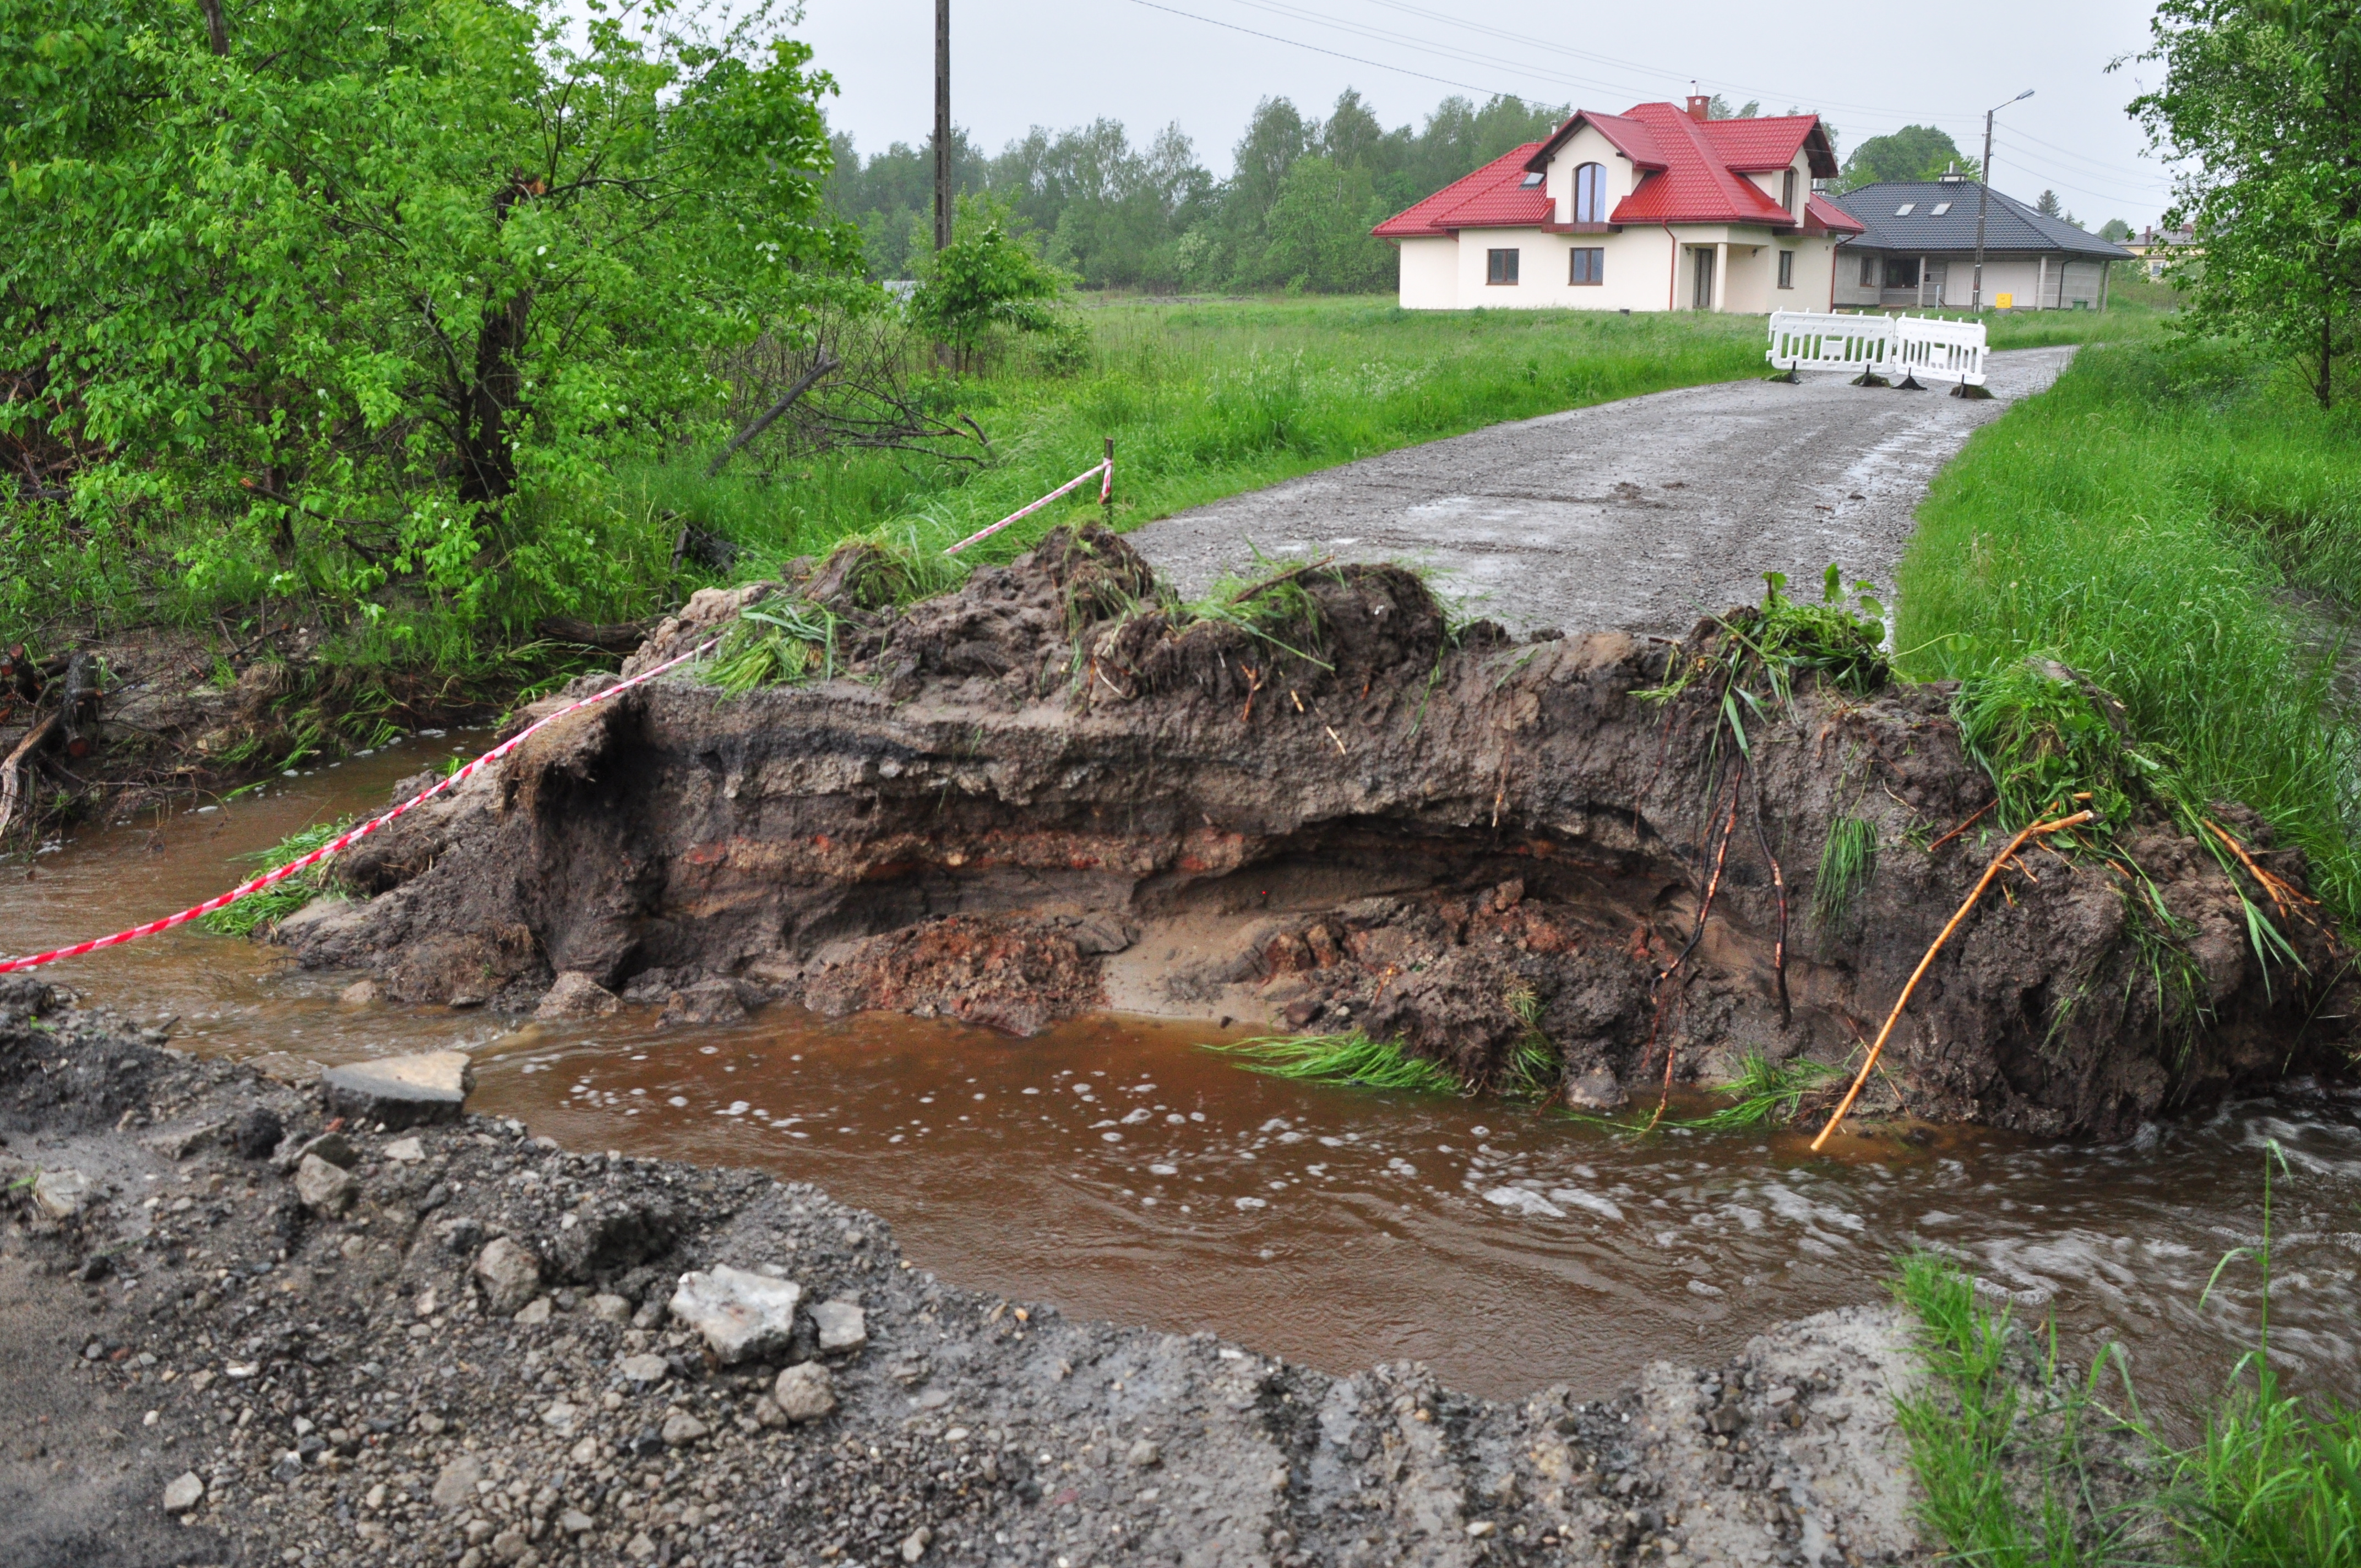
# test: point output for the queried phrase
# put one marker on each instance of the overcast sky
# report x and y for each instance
(1204, 63)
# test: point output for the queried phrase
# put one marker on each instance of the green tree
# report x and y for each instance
(1913, 152)
(2047, 205)
(2260, 108)
(984, 281)
(1319, 232)
(2115, 229)
(371, 271)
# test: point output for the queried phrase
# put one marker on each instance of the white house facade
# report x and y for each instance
(1658, 208)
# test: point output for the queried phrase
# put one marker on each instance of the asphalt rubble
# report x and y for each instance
(241, 1331)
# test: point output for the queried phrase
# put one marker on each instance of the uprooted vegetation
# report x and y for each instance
(1576, 868)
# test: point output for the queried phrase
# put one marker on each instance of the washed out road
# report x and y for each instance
(1635, 516)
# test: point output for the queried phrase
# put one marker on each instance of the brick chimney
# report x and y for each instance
(1700, 108)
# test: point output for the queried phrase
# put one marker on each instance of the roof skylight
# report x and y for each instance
(1904, 210)
(1939, 209)
(1530, 181)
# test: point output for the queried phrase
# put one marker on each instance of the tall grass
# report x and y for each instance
(2135, 523)
(259, 911)
(2002, 1442)
(1348, 1059)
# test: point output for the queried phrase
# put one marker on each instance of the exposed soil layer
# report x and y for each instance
(1055, 791)
(455, 1346)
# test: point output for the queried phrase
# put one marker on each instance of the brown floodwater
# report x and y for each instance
(1115, 1168)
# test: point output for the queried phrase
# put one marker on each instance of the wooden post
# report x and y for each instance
(942, 123)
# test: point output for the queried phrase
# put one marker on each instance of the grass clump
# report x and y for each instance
(1767, 1093)
(1848, 862)
(1347, 1058)
(1999, 1439)
(1766, 651)
(260, 911)
(2048, 749)
(788, 643)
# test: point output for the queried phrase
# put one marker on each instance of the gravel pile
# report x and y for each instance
(250, 1335)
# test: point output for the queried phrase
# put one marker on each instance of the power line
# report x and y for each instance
(1315, 49)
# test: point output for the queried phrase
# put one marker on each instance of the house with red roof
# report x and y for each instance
(1658, 208)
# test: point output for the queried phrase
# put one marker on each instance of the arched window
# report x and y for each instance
(1590, 194)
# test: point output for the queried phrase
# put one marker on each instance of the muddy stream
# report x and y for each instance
(1116, 1168)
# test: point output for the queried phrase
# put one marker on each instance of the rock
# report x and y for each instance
(405, 1151)
(914, 1544)
(640, 1548)
(647, 1371)
(319, 918)
(534, 1313)
(805, 1392)
(334, 1148)
(710, 1001)
(257, 1133)
(510, 1545)
(456, 1487)
(1144, 1456)
(324, 1189)
(576, 995)
(510, 1274)
(585, 1454)
(1597, 1089)
(606, 1236)
(62, 1194)
(743, 1316)
(681, 1429)
(572, 1522)
(842, 1325)
(184, 1492)
(609, 1309)
(400, 1091)
(362, 993)
(181, 1144)
(282, 1067)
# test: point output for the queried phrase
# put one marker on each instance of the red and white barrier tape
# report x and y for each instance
(9, 965)
(1105, 472)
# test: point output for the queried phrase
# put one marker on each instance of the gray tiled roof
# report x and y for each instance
(2010, 226)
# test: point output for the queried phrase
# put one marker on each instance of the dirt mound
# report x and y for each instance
(1314, 803)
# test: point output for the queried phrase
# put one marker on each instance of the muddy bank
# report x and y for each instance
(457, 1342)
(1321, 808)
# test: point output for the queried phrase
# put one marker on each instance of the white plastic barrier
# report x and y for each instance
(1897, 346)
(1935, 350)
(1814, 340)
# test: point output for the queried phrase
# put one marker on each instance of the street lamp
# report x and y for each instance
(1984, 196)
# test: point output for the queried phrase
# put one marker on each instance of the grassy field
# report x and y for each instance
(2178, 523)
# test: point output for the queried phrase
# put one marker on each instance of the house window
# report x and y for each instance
(1500, 267)
(1902, 272)
(1590, 194)
(1787, 265)
(1869, 272)
(1589, 265)
(1787, 191)
(1532, 182)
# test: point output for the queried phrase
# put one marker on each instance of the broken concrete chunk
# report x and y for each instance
(62, 1194)
(743, 1316)
(577, 995)
(510, 1274)
(805, 1392)
(324, 1189)
(400, 1091)
(183, 1493)
(842, 1325)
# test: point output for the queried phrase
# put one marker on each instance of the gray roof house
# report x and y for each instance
(1918, 252)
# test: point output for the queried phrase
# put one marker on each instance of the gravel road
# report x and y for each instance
(1634, 516)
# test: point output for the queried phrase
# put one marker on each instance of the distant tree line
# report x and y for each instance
(1295, 213)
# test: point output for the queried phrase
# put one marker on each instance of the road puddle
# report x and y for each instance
(1116, 1167)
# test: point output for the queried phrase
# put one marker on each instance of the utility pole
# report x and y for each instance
(1983, 198)
(942, 123)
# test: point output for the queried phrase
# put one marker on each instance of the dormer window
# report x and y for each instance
(1787, 190)
(1939, 209)
(1531, 182)
(1904, 210)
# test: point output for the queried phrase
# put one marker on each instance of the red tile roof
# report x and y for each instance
(1694, 172)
